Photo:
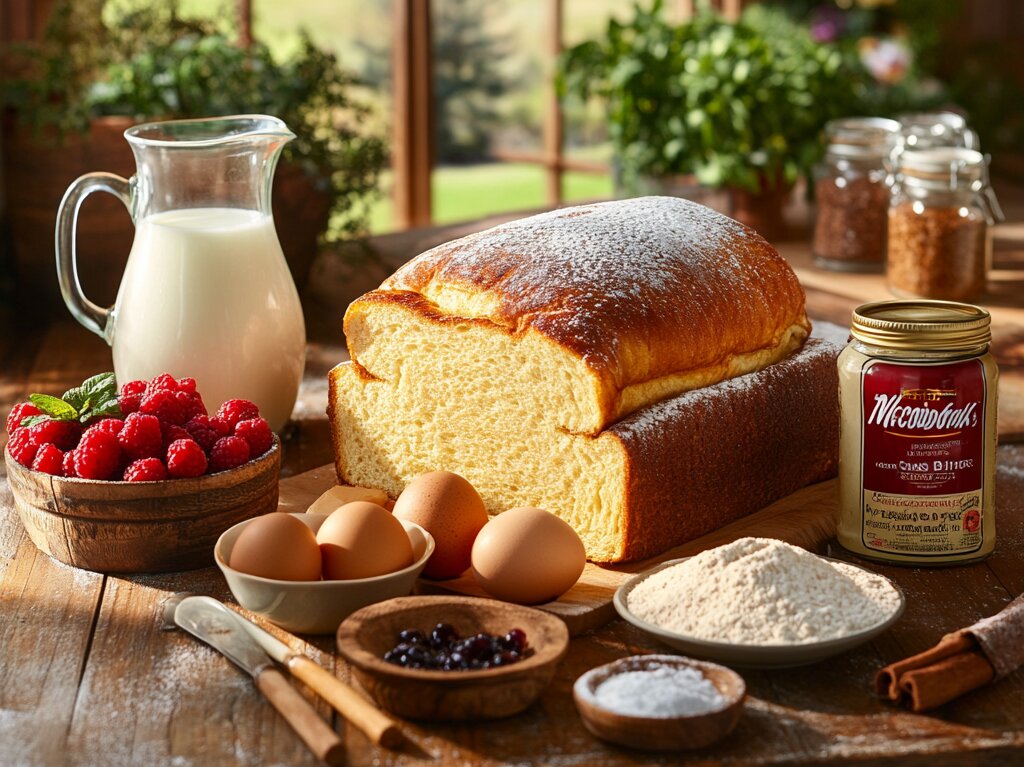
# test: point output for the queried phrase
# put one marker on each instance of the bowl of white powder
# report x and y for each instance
(660, 702)
(760, 602)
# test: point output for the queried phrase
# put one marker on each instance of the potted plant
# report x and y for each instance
(738, 105)
(77, 92)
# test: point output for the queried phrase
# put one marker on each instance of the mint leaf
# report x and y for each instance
(32, 420)
(94, 390)
(106, 409)
(57, 409)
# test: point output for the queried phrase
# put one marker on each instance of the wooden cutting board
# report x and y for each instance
(806, 518)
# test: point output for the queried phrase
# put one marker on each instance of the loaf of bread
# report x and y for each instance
(636, 367)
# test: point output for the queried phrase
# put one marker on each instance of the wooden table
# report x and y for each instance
(88, 678)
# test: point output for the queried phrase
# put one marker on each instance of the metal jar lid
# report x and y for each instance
(862, 136)
(922, 325)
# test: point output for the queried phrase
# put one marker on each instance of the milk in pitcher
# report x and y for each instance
(207, 293)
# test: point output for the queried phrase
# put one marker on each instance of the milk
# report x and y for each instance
(207, 294)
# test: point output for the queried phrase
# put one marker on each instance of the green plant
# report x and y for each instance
(160, 65)
(736, 104)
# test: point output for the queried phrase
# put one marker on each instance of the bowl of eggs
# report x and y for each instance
(306, 572)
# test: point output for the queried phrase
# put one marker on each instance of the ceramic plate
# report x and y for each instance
(751, 656)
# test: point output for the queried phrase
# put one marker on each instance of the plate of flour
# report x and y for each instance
(760, 603)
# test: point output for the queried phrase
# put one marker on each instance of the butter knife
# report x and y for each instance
(374, 723)
(225, 632)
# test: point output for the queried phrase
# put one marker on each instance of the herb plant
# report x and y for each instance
(147, 62)
(736, 104)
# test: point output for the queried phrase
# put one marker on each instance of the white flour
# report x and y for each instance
(659, 691)
(760, 591)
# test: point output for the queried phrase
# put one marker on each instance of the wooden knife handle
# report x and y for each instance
(374, 723)
(303, 718)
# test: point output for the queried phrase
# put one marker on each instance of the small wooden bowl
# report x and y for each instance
(140, 527)
(451, 696)
(660, 733)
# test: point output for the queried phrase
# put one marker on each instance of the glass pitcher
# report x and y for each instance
(206, 292)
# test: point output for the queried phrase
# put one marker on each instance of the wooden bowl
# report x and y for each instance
(451, 696)
(660, 733)
(140, 527)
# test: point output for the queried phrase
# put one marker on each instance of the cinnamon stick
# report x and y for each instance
(947, 679)
(963, 661)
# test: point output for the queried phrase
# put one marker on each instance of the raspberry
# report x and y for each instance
(228, 453)
(49, 459)
(111, 426)
(164, 405)
(235, 410)
(62, 434)
(206, 431)
(191, 405)
(19, 413)
(172, 433)
(132, 388)
(255, 431)
(146, 470)
(69, 464)
(98, 454)
(185, 459)
(162, 382)
(23, 446)
(141, 436)
(187, 385)
(129, 403)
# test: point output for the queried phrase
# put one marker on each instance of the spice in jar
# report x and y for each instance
(918, 434)
(941, 207)
(852, 193)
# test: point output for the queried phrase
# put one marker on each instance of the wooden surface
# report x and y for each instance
(805, 518)
(88, 678)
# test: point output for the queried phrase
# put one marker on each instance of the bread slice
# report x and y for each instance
(635, 367)
(616, 306)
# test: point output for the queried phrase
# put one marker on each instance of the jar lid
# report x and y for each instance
(862, 136)
(925, 130)
(947, 167)
(922, 325)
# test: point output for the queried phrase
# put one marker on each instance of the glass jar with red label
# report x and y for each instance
(917, 392)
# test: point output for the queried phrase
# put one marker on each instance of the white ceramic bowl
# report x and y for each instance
(748, 655)
(318, 607)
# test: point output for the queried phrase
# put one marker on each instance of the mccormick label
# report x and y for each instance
(923, 453)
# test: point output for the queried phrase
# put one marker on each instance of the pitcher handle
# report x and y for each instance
(95, 318)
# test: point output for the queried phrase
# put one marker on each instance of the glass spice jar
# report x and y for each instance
(941, 207)
(851, 187)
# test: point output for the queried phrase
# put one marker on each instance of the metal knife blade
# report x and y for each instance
(270, 644)
(222, 630)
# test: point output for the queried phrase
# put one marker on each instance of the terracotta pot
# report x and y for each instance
(38, 170)
(763, 210)
(301, 212)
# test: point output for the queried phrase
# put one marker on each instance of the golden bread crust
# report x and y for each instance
(655, 295)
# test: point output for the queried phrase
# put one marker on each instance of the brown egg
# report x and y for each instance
(339, 495)
(527, 556)
(451, 510)
(361, 540)
(277, 546)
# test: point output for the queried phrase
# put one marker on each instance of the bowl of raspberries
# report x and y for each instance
(139, 477)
